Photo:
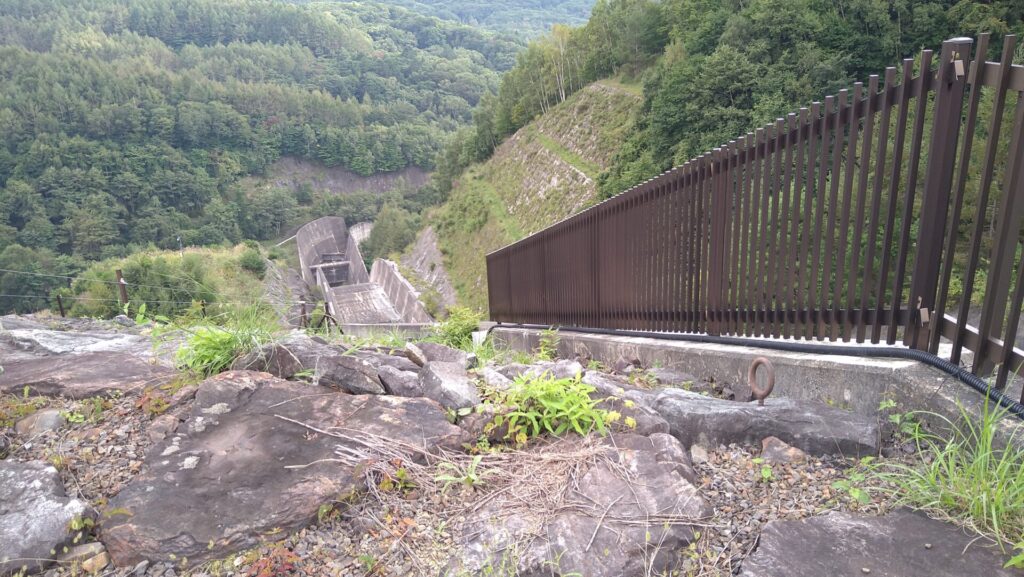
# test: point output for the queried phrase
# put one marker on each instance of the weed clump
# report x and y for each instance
(964, 476)
(456, 331)
(211, 348)
(545, 404)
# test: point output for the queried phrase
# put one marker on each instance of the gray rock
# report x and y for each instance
(813, 427)
(493, 379)
(774, 450)
(615, 394)
(666, 448)
(612, 527)
(415, 354)
(77, 364)
(400, 383)
(440, 353)
(560, 369)
(331, 367)
(698, 454)
(162, 426)
(448, 384)
(35, 515)
(400, 362)
(901, 543)
(671, 377)
(234, 472)
(40, 422)
(124, 321)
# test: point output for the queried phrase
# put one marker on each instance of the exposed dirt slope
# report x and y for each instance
(543, 173)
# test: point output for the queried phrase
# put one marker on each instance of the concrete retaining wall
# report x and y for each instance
(404, 297)
(855, 383)
(357, 268)
(323, 235)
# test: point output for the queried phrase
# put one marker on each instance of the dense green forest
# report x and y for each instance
(715, 69)
(524, 18)
(129, 124)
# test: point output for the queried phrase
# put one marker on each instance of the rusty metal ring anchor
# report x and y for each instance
(755, 390)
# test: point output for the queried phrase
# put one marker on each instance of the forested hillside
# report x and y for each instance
(710, 70)
(129, 124)
(714, 69)
(523, 18)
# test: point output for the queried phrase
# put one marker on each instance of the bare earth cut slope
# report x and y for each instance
(543, 173)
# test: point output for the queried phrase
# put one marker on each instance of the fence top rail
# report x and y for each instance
(767, 135)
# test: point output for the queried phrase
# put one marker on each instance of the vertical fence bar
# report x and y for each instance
(844, 226)
(833, 204)
(903, 98)
(858, 219)
(784, 254)
(949, 95)
(886, 105)
(1004, 245)
(923, 86)
(988, 168)
(811, 207)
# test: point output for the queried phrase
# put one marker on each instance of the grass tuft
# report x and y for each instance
(964, 477)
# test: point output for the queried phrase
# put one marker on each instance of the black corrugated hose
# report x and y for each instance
(961, 374)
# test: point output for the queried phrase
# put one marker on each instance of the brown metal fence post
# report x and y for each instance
(60, 306)
(302, 314)
(949, 94)
(122, 287)
(716, 266)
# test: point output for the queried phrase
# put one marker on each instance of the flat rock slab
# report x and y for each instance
(448, 384)
(84, 375)
(812, 427)
(222, 481)
(615, 522)
(34, 515)
(901, 544)
(78, 364)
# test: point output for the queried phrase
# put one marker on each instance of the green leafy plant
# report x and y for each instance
(73, 417)
(546, 404)
(965, 475)
(547, 349)
(252, 261)
(469, 476)
(369, 562)
(457, 330)
(766, 470)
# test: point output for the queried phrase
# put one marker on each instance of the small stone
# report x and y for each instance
(927, 545)
(80, 553)
(140, 568)
(40, 422)
(865, 570)
(774, 450)
(95, 564)
(698, 454)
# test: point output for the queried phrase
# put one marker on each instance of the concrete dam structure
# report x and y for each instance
(332, 264)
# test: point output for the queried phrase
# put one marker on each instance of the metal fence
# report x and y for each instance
(891, 213)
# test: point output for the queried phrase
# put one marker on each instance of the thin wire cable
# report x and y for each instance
(111, 282)
(71, 298)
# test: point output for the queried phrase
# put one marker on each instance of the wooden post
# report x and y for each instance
(60, 305)
(122, 286)
(302, 314)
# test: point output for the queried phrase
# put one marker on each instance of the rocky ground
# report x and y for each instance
(311, 458)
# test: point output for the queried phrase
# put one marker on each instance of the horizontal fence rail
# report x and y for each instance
(889, 213)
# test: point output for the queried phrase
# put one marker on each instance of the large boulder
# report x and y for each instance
(448, 384)
(560, 369)
(35, 515)
(330, 367)
(629, 514)
(812, 427)
(383, 359)
(78, 364)
(902, 543)
(237, 470)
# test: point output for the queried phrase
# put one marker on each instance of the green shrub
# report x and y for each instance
(252, 261)
(545, 404)
(457, 330)
(964, 476)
